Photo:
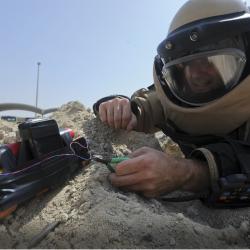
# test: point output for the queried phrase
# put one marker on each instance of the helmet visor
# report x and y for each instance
(204, 77)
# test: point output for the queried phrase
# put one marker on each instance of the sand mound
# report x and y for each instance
(93, 214)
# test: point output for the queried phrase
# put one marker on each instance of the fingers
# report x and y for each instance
(118, 116)
(117, 113)
(106, 112)
(145, 173)
(126, 114)
(141, 151)
(103, 112)
(129, 172)
(134, 183)
(110, 116)
(142, 188)
(129, 167)
(125, 180)
(151, 172)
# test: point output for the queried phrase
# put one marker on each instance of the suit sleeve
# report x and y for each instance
(145, 105)
(229, 167)
(148, 110)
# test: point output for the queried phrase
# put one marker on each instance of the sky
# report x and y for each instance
(88, 49)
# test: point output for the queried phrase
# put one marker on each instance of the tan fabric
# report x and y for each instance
(217, 118)
(209, 157)
(194, 10)
(151, 111)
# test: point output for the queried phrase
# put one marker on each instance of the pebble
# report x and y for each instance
(196, 230)
(65, 218)
(67, 190)
(192, 211)
(230, 235)
(2, 229)
(180, 216)
(11, 138)
(86, 194)
(244, 227)
(172, 242)
(147, 237)
(122, 197)
(137, 210)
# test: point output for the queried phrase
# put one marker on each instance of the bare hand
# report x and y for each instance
(153, 173)
(117, 113)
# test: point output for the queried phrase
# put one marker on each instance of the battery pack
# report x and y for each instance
(39, 137)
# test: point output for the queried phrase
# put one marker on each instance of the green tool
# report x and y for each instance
(110, 162)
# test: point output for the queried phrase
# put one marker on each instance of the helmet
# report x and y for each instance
(204, 54)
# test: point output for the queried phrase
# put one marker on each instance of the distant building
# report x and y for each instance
(8, 118)
(15, 118)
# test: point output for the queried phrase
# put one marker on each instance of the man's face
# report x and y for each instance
(202, 76)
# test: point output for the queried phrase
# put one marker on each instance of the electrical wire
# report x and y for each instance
(52, 157)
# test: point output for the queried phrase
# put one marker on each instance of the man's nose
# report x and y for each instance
(200, 68)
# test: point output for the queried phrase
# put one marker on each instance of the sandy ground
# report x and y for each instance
(93, 214)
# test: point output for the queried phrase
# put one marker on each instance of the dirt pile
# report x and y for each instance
(93, 214)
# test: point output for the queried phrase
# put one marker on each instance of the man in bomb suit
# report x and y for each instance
(201, 99)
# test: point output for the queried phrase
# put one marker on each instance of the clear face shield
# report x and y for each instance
(203, 77)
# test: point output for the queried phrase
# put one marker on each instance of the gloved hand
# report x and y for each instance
(152, 173)
(117, 113)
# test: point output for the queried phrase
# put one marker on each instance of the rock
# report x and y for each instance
(7, 129)
(180, 216)
(244, 227)
(11, 138)
(172, 242)
(231, 235)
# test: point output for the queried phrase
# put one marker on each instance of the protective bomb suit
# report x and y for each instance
(201, 94)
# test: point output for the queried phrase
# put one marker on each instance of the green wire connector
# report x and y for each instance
(114, 161)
